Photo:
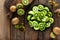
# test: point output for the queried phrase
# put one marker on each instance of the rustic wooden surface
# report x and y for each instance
(4, 23)
(57, 19)
(29, 34)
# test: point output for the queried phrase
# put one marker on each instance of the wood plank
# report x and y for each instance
(57, 19)
(13, 33)
(46, 33)
(55, 23)
(19, 34)
(4, 23)
(16, 34)
(30, 34)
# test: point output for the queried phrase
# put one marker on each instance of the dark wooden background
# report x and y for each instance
(31, 34)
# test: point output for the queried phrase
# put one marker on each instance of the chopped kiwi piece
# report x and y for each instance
(35, 9)
(42, 26)
(46, 8)
(31, 23)
(51, 20)
(17, 26)
(31, 13)
(45, 19)
(29, 17)
(49, 14)
(47, 25)
(41, 7)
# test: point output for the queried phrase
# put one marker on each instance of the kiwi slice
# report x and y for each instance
(25, 2)
(19, 5)
(20, 12)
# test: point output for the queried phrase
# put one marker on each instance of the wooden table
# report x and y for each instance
(8, 32)
(4, 23)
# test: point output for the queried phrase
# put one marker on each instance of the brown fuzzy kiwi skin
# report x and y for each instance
(56, 30)
(52, 35)
(15, 21)
(12, 8)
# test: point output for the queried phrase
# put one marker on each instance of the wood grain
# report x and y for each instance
(57, 19)
(29, 34)
(4, 23)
